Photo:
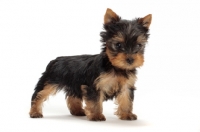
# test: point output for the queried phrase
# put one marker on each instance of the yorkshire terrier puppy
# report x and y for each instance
(96, 78)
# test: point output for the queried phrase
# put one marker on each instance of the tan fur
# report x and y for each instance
(109, 15)
(120, 60)
(125, 107)
(36, 108)
(119, 38)
(138, 60)
(109, 82)
(75, 106)
(146, 21)
(83, 89)
(141, 39)
(94, 109)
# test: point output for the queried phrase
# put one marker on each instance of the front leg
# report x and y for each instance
(93, 99)
(125, 102)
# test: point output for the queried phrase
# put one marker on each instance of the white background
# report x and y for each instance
(168, 88)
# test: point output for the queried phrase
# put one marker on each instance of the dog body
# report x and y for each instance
(95, 78)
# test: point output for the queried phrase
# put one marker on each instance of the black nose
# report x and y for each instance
(129, 60)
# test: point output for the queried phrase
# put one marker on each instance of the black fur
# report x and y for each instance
(130, 31)
(70, 72)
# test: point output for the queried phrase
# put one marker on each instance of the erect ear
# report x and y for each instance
(146, 21)
(110, 16)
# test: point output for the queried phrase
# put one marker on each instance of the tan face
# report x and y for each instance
(126, 51)
(125, 40)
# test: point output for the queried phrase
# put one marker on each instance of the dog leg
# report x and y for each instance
(75, 106)
(93, 100)
(36, 104)
(125, 102)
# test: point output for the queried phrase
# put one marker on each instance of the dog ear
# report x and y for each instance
(145, 21)
(110, 16)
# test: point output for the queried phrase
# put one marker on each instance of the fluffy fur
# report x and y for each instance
(95, 78)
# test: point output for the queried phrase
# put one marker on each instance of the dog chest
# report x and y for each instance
(111, 83)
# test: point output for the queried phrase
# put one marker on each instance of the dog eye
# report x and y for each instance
(118, 45)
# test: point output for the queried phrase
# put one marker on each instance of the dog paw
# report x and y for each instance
(36, 115)
(97, 117)
(78, 113)
(129, 116)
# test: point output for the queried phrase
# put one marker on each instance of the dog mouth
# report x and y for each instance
(127, 63)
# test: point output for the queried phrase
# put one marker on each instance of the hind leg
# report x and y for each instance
(75, 106)
(39, 98)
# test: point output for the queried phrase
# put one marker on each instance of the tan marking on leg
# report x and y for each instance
(36, 108)
(125, 107)
(75, 106)
(94, 109)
